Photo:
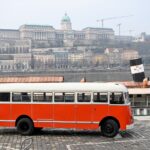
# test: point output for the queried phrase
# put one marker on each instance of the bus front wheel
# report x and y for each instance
(109, 128)
(25, 126)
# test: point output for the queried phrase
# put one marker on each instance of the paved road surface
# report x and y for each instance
(136, 139)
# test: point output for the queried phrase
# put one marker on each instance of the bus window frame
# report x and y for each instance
(74, 97)
(100, 103)
(6, 102)
(53, 98)
(91, 100)
(126, 98)
(11, 97)
(26, 102)
(43, 102)
(117, 92)
(49, 102)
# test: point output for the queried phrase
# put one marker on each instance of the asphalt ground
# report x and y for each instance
(61, 139)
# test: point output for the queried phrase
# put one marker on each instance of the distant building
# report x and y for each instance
(9, 34)
(142, 38)
(99, 60)
(48, 36)
(41, 47)
(66, 23)
(61, 59)
(15, 62)
(44, 48)
(123, 38)
(44, 61)
(113, 56)
(127, 55)
(98, 33)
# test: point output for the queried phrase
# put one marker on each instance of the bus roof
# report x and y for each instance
(58, 87)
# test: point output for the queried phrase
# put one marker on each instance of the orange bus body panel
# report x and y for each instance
(17, 110)
(122, 114)
(100, 111)
(42, 114)
(64, 115)
(5, 115)
(80, 116)
(83, 116)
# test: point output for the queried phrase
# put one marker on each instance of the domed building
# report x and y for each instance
(31, 43)
(66, 23)
(45, 36)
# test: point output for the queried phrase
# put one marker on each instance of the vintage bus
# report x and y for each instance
(32, 106)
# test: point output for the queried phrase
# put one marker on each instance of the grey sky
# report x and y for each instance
(83, 13)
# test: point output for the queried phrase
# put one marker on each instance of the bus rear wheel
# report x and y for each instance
(109, 128)
(25, 126)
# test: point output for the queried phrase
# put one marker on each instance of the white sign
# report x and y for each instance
(137, 69)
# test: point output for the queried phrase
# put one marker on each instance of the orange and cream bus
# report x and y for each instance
(32, 106)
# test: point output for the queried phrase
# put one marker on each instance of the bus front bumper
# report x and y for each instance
(130, 126)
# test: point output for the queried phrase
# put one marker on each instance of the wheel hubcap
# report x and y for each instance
(109, 128)
(24, 127)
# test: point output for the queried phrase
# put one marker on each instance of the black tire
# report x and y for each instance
(25, 126)
(36, 130)
(109, 128)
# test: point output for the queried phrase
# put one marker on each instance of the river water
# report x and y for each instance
(91, 76)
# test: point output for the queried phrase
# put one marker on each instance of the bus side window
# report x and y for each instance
(42, 97)
(16, 97)
(116, 98)
(21, 97)
(100, 97)
(48, 97)
(59, 97)
(69, 97)
(26, 97)
(4, 97)
(84, 97)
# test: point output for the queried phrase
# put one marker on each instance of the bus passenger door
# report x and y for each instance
(83, 111)
(42, 109)
(64, 110)
(99, 107)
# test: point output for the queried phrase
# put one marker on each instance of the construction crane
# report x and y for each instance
(111, 18)
(119, 25)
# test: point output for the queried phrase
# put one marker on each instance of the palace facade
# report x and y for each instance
(42, 47)
(48, 36)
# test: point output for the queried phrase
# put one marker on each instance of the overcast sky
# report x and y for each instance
(83, 13)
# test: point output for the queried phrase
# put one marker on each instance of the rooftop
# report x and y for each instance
(31, 79)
